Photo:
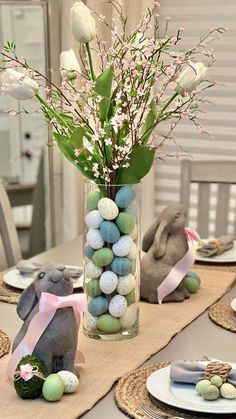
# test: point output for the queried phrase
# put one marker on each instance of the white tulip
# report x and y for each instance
(190, 77)
(69, 65)
(17, 84)
(83, 24)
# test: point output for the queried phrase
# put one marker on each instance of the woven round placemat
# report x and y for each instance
(4, 343)
(222, 314)
(131, 391)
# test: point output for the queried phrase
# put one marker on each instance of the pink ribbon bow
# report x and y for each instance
(48, 305)
(180, 269)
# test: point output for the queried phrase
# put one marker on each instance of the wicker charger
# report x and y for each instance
(222, 314)
(131, 391)
(4, 344)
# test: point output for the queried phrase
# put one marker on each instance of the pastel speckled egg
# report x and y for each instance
(134, 233)
(123, 246)
(93, 219)
(92, 271)
(109, 232)
(125, 222)
(94, 238)
(133, 251)
(191, 284)
(92, 200)
(125, 196)
(122, 266)
(194, 275)
(53, 388)
(129, 317)
(117, 306)
(93, 288)
(108, 282)
(88, 251)
(98, 306)
(103, 257)
(91, 321)
(108, 208)
(70, 380)
(130, 298)
(108, 324)
(125, 284)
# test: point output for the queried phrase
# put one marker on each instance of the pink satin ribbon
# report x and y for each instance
(48, 305)
(180, 269)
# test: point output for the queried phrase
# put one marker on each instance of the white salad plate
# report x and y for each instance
(15, 279)
(184, 396)
(227, 257)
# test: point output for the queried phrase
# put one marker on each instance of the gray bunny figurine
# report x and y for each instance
(57, 345)
(165, 244)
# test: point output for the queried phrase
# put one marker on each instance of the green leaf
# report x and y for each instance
(103, 88)
(150, 121)
(140, 162)
(66, 148)
(76, 139)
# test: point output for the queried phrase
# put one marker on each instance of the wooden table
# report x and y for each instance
(201, 337)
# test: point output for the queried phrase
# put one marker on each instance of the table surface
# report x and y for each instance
(201, 337)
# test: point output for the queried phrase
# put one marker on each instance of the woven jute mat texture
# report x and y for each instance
(222, 314)
(8, 294)
(4, 344)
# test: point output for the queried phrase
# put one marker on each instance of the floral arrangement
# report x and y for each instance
(104, 123)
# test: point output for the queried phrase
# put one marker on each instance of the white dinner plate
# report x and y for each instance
(227, 257)
(17, 280)
(184, 396)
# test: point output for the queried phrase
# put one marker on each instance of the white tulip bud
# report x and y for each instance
(69, 65)
(17, 84)
(190, 77)
(83, 24)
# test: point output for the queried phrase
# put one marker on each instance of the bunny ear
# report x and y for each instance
(160, 240)
(149, 236)
(26, 302)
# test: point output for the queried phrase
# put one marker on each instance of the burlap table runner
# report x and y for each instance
(108, 361)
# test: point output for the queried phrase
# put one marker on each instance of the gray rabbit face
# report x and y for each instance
(175, 218)
(54, 279)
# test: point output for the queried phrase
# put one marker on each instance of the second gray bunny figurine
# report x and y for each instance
(165, 244)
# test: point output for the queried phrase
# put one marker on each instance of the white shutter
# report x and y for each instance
(198, 17)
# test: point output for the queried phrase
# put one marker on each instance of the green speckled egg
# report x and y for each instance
(93, 288)
(130, 298)
(92, 200)
(102, 257)
(194, 275)
(210, 392)
(108, 324)
(125, 222)
(200, 385)
(191, 284)
(53, 388)
(216, 380)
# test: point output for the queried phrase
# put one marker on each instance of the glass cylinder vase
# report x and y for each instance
(111, 261)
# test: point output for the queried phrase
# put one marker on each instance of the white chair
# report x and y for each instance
(205, 173)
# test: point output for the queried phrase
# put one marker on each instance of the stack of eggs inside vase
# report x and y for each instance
(111, 265)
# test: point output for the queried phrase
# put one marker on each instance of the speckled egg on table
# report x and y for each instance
(125, 284)
(125, 196)
(102, 257)
(91, 321)
(122, 266)
(123, 246)
(92, 200)
(70, 380)
(92, 271)
(129, 317)
(53, 388)
(108, 324)
(93, 219)
(117, 306)
(88, 251)
(94, 238)
(109, 232)
(194, 275)
(108, 282)
(108, 208)
(125, 222)
(98, 306)
(93, 288)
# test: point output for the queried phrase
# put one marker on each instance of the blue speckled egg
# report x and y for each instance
(88, 251)
(123, 246)
(92, 271)
(98, 306)
(124, 196)
(109, 232)
(93, 219)
(108, 282)
(94, 238)
(108, 208)
(117, 306)
(122, 266)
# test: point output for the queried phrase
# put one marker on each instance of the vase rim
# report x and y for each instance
(89, 181)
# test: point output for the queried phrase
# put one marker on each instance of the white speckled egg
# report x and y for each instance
(92, 271)
(129, 317)
(91, 322)
(133, 252)
(117, 306)
(71, 382)
(94, 238)
(123, 246)
(125, 284)
(93, 219)
(108, 282)
(134, 233)
(108, 208)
